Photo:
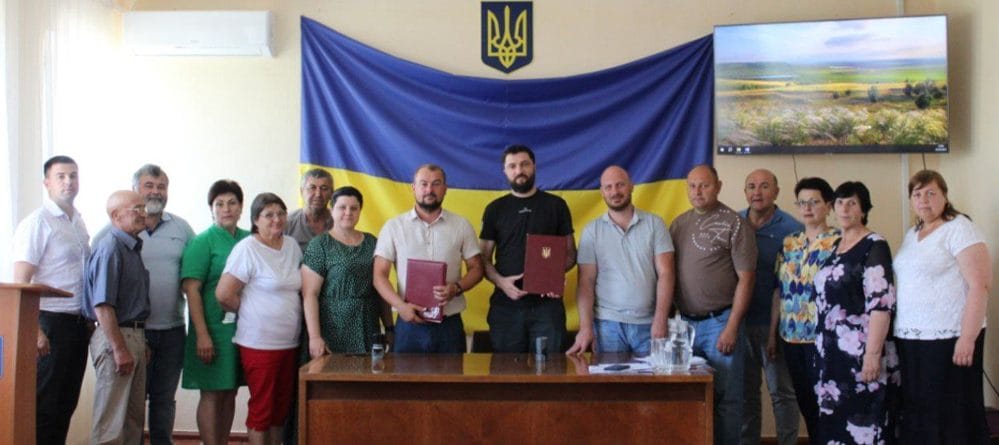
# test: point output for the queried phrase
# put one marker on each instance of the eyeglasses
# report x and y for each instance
(809, 203)
(138, 209)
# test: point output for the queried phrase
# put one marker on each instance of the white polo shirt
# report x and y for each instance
(58, 246)
(450, 238)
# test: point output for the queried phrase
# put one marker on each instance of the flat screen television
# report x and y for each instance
(875, 85)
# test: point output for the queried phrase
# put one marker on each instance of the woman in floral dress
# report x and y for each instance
(858, 365)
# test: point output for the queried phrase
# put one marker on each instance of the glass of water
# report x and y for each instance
(660, 355)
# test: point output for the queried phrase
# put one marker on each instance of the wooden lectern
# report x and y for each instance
(18, 337)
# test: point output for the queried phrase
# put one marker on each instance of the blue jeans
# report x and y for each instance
(447, 336)
(615, 336)
(728, 375)
(513, 329)
(60, 374)
(166, 359)
(778, 385)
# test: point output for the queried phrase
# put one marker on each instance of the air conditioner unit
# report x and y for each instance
(198, 33)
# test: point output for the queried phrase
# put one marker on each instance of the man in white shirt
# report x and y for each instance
(51, 247)
(428, 232)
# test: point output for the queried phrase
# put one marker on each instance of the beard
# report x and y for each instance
(622, 206)
(430, 207)
(155, 206)
(522, 188)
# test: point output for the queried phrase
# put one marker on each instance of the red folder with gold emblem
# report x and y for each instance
(421, 277)
(544, 264)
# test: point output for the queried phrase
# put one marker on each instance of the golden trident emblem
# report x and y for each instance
(506, 47)
(546, 252)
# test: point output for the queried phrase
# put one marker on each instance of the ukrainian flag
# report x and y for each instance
(371, 119)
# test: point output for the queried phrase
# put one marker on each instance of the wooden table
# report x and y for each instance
(497, 398)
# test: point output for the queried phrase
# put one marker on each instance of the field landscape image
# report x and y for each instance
(832, 85)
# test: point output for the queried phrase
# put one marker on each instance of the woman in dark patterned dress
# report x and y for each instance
(858, 365)
(342, 308)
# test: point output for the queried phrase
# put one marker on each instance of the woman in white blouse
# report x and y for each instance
(261, 282)
(943, 275)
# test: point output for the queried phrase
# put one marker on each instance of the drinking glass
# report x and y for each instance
(660, 355)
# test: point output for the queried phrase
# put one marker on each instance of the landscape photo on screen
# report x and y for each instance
(863, 85)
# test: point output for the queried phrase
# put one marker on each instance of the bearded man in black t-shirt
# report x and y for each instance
(515, 316)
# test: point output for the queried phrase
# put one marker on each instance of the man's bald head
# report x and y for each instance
(616, 188)
(703, 187)
(761, 190)
(762, 173)
(614, 173)
(127, 210)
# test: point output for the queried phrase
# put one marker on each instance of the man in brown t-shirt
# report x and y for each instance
(715, 268)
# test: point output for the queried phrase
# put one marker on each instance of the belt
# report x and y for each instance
(135, 324)
(711, 314)
(64, 316)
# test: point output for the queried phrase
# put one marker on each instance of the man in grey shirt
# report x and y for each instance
(116, 295)
(303, 225)
(315, 218)
(163, 242)
(625, 274)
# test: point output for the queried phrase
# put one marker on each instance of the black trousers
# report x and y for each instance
(800, 359)
(513, 328)
(942, 403)
(60, 374)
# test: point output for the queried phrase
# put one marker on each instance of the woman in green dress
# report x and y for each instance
(211, 360)
(342, 308)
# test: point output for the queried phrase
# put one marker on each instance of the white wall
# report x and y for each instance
(213, 117)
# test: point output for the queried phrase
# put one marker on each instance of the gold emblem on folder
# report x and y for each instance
(546, 252)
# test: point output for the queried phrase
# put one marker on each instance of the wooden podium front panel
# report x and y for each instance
(19, 335)
(505, 402)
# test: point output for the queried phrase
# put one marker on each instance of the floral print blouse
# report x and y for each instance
(797, 263)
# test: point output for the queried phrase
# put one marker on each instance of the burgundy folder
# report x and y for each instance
(421, 277)
(544, 264)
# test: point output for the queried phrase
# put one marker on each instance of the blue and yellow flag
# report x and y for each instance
(372, 119)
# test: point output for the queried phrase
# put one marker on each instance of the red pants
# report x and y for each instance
(271, 378)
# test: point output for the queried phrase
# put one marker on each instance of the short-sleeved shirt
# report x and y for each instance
(162, 250)
(349, 305)
(797, 263)
(710, 248)
(270, 310)
(932, 293)
(626, 269)
(769, 240)
(117, 277)
(450, 239)
(507, 221)
(298, 228)
(58, 246)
